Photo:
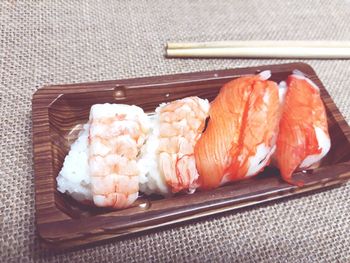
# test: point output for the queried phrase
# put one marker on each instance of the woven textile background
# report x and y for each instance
(47, 42)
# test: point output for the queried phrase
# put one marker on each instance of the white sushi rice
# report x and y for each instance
(151, 179)
(256, 162)
(260, 159)
(300, 75)
(204, 104)
(324, 144)
(74, 177)
(282, 90)
(265, 75)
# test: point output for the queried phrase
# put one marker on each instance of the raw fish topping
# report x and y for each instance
(190, 143)
(241, 132)
(303, 131)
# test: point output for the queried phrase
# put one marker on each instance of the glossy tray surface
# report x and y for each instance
(60, 111)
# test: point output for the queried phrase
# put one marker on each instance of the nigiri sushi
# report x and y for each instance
(101, 167)
(303, 138)
(168, 161)
(189, 143)
(241, 133)
(117, 133)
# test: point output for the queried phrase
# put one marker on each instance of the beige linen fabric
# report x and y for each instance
(52, 42)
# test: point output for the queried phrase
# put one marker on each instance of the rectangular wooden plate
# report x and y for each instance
(59, 112)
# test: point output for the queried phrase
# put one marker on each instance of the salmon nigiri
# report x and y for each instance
(303, 138)
(241, 132)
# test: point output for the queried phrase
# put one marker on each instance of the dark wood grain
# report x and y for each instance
(59, 112)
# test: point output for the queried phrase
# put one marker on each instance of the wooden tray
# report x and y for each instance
(59, 112)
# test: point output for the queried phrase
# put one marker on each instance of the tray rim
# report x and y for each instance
(48, 94)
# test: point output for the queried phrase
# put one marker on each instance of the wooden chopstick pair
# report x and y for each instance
(261, 49)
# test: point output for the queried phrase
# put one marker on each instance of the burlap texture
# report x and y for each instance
(51, 42)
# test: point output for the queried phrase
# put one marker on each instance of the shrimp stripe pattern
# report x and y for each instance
(116, 135)
(180, 126)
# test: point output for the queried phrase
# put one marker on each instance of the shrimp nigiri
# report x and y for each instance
(303, 138)
(168, 154)
(241, 132)
(116, 135)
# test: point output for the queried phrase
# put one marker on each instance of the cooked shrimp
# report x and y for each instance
(241, 133)
(116, 135)
(180, 126)
(303, 139)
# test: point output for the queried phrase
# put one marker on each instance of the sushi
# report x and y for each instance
(122, 151)
(190, 143)
(116, 135)
(101, 166)
(241, 133)
(168, 157)
(303, 138)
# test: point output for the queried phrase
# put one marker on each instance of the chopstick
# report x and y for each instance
(258, 43)
(261, 49)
